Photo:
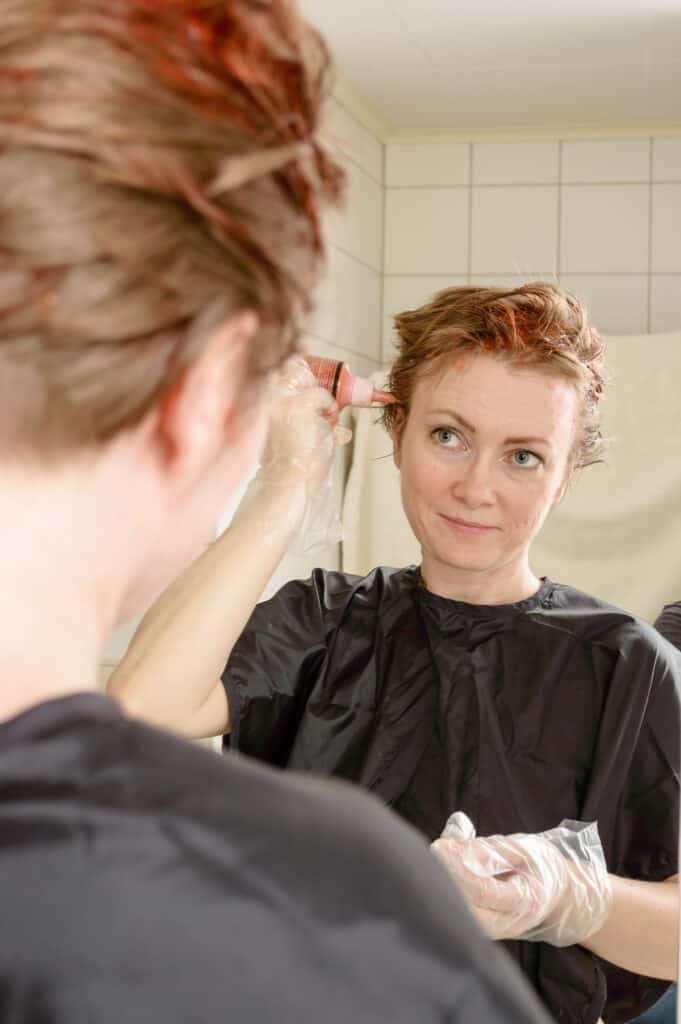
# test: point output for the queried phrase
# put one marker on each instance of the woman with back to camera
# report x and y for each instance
(467, 683)
(161, 188)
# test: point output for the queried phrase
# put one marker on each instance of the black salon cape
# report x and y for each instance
(668, 623)
(520, 715)
(144, 880)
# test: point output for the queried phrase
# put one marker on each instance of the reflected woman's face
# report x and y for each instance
(483, 457)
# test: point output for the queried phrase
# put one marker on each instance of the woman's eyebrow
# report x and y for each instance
(471, 429)
(453, 416)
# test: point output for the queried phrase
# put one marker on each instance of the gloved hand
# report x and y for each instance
(297, 458)
(303, 428)
(546, 887)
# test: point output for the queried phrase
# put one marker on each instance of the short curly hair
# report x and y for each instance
(159, 171)
(537, 325)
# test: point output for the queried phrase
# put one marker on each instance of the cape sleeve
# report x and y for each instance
(668, 623)
(648, 821)
(274, 665)
(647, 829)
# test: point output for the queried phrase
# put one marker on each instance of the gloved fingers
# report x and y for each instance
(521, 852)
(458, 826)
(294, 392)
(295, 467)
(296, 378)
(476, 855)
(583, 907)
(301, 433)
(302, 399)
(308, 400)
(551, 886)
(507, 902)
(495, 925)
(294, 375)
(484, 882)
(342, 435)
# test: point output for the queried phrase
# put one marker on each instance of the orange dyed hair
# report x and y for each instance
(538, 326)
(159, 171)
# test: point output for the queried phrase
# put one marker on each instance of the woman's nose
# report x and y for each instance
(474, 484)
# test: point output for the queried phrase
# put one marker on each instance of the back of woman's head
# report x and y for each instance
(158, 172)
(538, 326)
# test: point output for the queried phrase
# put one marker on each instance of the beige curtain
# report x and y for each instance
(617, 533)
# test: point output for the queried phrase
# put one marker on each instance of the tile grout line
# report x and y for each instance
(602, 183)
(357, 165)
(384, 228)
(337, 346)
(560, 208)
(514, 273)
(335, 144)
(365, 129)
(469, 255)
(351, 256)
(649, 307)
(342, 155)
(646, 277)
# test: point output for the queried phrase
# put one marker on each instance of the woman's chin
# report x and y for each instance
(457, 563)
(460, 557)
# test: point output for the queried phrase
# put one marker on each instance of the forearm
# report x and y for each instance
(170, 672)
(641, 931)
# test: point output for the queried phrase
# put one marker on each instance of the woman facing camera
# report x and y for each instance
(467, 683)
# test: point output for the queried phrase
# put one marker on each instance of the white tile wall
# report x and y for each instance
(608, 160)
(666, 227)
(426, 231)
(357, 229)
(506, 280)
(403, 293)
(619, 301)
(348, 312)
(602, 215)
(666, 159)
(665, 302)
(347, 136)
(514, 230)
(605, 229)
(515, 163)
(436, 164)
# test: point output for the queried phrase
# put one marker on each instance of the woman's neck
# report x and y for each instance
(50, 643)
(506, 585)
(59, 592)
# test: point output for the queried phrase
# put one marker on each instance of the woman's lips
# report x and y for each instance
(466, 526)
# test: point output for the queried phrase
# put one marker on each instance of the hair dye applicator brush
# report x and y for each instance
(344, 386)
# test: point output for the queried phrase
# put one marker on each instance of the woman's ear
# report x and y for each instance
(398, 424)
(194, 418)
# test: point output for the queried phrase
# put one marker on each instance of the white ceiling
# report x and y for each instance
(424, 66)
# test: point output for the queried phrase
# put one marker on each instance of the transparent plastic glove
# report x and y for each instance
(546, 887)
(298, 455)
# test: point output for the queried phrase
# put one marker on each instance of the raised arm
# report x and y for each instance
(170, 675)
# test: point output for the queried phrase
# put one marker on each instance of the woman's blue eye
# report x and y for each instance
(447, 438)
(525, 459)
